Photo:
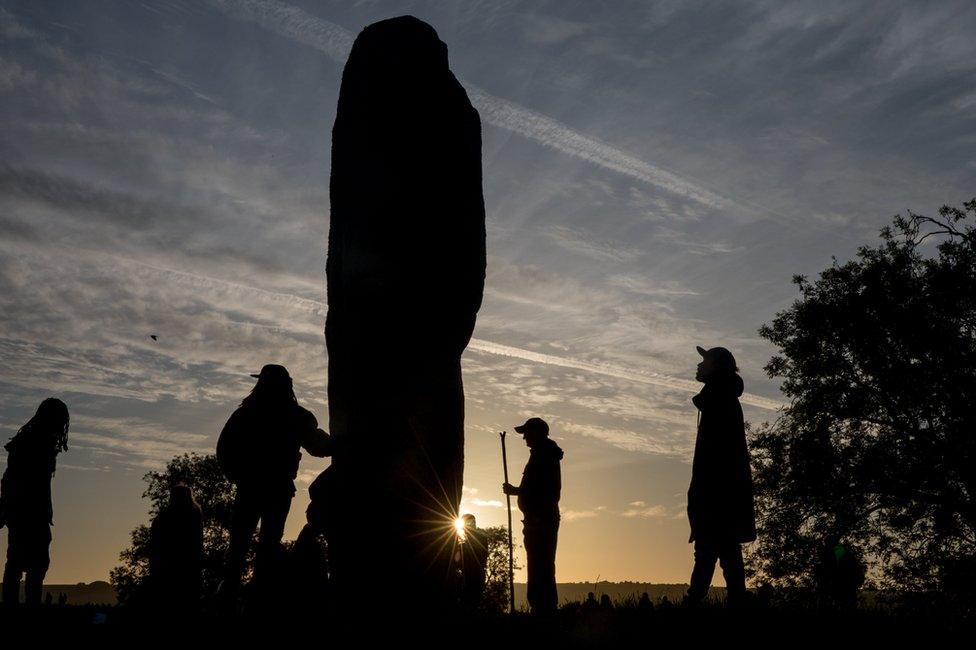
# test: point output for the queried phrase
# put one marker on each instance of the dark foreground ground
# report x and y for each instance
(573, 626)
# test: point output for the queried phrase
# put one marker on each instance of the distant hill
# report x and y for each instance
(82, 593)
(618, 591)
(101, 593)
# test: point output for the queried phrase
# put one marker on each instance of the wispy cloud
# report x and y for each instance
(318, 308)
(641, 510)
(487, 503)
(652, 378)
(336, 42)
(575, 515)
(651, 442)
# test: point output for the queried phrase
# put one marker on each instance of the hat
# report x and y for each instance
(534, 425)
(719, 356)
(273, 372)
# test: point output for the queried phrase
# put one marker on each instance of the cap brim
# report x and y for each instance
(255, 376)
(702, 351)
(520, 429)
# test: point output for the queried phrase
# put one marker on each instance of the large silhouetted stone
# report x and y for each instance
(406, 271)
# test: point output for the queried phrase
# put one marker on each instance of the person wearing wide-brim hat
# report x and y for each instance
(259, 451)
(720, 499)
(538, 499)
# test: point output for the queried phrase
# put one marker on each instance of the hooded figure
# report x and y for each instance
(538, 499)
(25, 499)
(176, 552)
(720, 503)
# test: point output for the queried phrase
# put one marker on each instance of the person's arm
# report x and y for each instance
(511, 490)
(3, 499)
(314, 440)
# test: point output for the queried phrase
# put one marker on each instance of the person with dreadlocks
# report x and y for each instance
(25, 499)
(259, 451)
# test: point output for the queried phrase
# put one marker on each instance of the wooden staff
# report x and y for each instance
(511, 552)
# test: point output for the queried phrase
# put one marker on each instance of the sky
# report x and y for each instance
(655, 173)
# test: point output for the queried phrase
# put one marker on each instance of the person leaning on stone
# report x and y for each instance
(26, 508)
(538, 499)
(720, 500)
(259, 451)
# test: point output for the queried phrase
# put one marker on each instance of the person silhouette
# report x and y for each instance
(306, 582)
(839, 575)
(720, 500)
(176, 552)
(259, 450)
(538, 499)
(591, 603)
(472, 558)
(26, 508)
(644, 603)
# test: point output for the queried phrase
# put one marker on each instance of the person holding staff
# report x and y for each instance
(538, 499)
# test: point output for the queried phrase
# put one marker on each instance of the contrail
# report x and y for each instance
(479, 345)
(336, 42)
(652, 378)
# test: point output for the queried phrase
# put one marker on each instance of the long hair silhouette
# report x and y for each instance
(51, 419)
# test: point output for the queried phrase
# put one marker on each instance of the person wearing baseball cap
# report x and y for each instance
(720, 500)
(259, 450)
(538, 499)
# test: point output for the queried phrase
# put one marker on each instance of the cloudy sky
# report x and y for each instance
(655, 173)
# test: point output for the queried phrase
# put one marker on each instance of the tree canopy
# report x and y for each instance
(876, 448)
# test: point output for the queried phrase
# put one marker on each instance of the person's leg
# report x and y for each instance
(34, 586)
(701, 575)
(13, 569)
(274, 512)
(540, 565)
(531, 568)
(733, 568)
(39, 560)
(244, 519)
(549, 596)
(11, 582)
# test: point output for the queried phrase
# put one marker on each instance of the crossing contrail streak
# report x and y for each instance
(610, 370)
(198, 281)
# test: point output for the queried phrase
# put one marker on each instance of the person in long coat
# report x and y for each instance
(720, 498)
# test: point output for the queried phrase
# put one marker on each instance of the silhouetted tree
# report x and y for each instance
(495, 596)
(876, 448)
(213, 493)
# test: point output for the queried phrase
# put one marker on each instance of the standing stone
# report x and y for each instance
(406, 271)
